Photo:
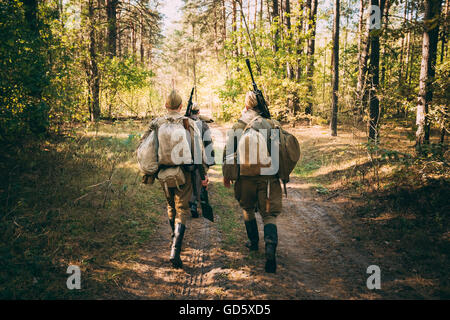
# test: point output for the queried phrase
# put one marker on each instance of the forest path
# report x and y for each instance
(317, 258)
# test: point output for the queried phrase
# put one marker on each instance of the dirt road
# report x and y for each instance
(317, 258)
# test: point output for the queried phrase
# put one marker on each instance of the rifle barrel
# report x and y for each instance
(251, 72)
(189, 105)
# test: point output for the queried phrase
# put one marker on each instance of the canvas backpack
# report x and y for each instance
(253, 148)
(244, 162)
(164, 145)
(147, 153)
(289, 152)
(173, 139)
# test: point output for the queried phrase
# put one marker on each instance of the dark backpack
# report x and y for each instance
(289, 152)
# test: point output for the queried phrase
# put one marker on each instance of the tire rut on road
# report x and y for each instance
(192, 287)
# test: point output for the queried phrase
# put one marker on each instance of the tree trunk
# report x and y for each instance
(386, 24)
(402, 47)
(248, 13)
(275, 12)
(111, 11)
(335, 66)
(241, 40)
(299, 42)
(427, 70)
(408, 44)
(234, 28)
(194, 61)
(443, 55)
(60, 6)
(288, 15)
(133, 39)
(250, 39)
(411, 46)
(289, 68)
(361, 87)
(374, 72)
(149, 56)
(119, 36)
(224, 27)
(307, 14)
(31, 12)
(94, 78)
(261, 8)
(216, 37)
(281, 14)
(141, 40)
(383, 63)
(255, 21)
(310, 53)
(444, 32)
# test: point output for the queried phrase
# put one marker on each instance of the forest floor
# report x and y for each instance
(80, 201)
(317, 259)
(320, 255)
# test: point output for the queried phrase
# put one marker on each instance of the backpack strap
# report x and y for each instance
(243, 122)
(188, 128)
(166, 190)
(249, 125)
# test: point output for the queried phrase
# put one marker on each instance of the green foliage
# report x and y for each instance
(45, 73)
(66, 93)
(286, 95)
(125, 83)
(439, 112)
(23, 73)
(123, 74)
(229, 95)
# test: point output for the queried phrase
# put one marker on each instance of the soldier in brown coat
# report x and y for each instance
(260, 193)
(205, 133)
(178, 197)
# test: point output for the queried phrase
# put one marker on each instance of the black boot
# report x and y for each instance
(194, 211)
(176, 246)
(172, 227)
(271, 239)
(252, 233)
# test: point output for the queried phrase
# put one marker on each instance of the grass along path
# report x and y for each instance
(80, 201)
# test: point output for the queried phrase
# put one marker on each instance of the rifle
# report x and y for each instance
(262, 105)
(265, 113)
(189, 105)
(207, 211)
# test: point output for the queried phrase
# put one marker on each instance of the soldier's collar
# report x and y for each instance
(249, 115)
(174, 113)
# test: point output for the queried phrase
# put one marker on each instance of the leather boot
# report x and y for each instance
(252, 233)
(271, 240)
(176, 246)
(172, 227)
(194, 211)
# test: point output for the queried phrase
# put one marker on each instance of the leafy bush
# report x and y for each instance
(23, 74)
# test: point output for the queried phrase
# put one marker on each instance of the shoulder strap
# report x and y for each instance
(188, 128)
(250, 124)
